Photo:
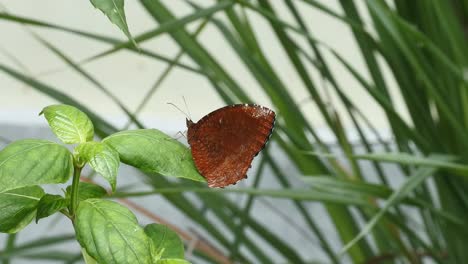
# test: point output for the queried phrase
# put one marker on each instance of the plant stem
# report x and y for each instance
(9, 246)
(74, 191)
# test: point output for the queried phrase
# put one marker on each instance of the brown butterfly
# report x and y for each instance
(225, 141)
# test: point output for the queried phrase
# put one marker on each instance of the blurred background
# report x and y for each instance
(345, 77)
(129, 76)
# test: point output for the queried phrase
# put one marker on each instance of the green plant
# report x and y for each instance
(107, 231)
(419, 45)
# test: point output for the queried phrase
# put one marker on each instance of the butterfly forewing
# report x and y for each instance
(225, 141)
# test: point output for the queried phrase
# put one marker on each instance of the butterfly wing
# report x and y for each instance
(225, 141)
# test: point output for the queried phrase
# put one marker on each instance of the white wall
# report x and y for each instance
(129, 75)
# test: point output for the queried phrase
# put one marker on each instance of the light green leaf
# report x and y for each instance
(110, 233)
(102, 158)
(87, 191)
(153, 151)
(32, 162)
(69, 124)
(87, 258)
(49, 205)
(18, 207)
(167, 243)
(114, 10)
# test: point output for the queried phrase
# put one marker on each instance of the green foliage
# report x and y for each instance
(107, 231)
(18, 208)
(102, 158)
(110, 233)
(69, 124)
(421, 45)
(167, 243)
(49, 205)
(153, 151)
(114, 10)
(31, 162)
(87, 191)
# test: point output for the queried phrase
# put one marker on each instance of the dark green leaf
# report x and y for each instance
(69, 124)
(32, 162)
(49, 205)
(110, 233)
(88, 191)
(102, 158)
(166, 242)
(153, 151)
(18, 207)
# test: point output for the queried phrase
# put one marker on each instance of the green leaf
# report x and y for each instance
(32, 162)
(172, 261)
(87, 191)
(102, 158)
(18, 207)
(166, 27)
(69, 124)
(166, 242)
(110, 233)
(49, 205)
(153, 151)
(114, 10)
(87, 258)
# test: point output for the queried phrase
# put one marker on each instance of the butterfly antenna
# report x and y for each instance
(186, 107)
(180, 110)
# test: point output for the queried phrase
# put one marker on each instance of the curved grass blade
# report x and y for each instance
(36, 244)
(97, 37)
(90, 78)
(438, 161)
(407, 187)
(293, 194)
(167, 27)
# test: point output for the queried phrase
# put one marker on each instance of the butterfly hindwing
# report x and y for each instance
(225, 141)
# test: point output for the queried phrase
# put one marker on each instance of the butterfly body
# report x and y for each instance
(224, 142)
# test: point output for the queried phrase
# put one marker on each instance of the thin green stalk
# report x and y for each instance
(239, 231)
(163, 76)
(36, 245)
(10, 244)
(99, 38)
(74, 190)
